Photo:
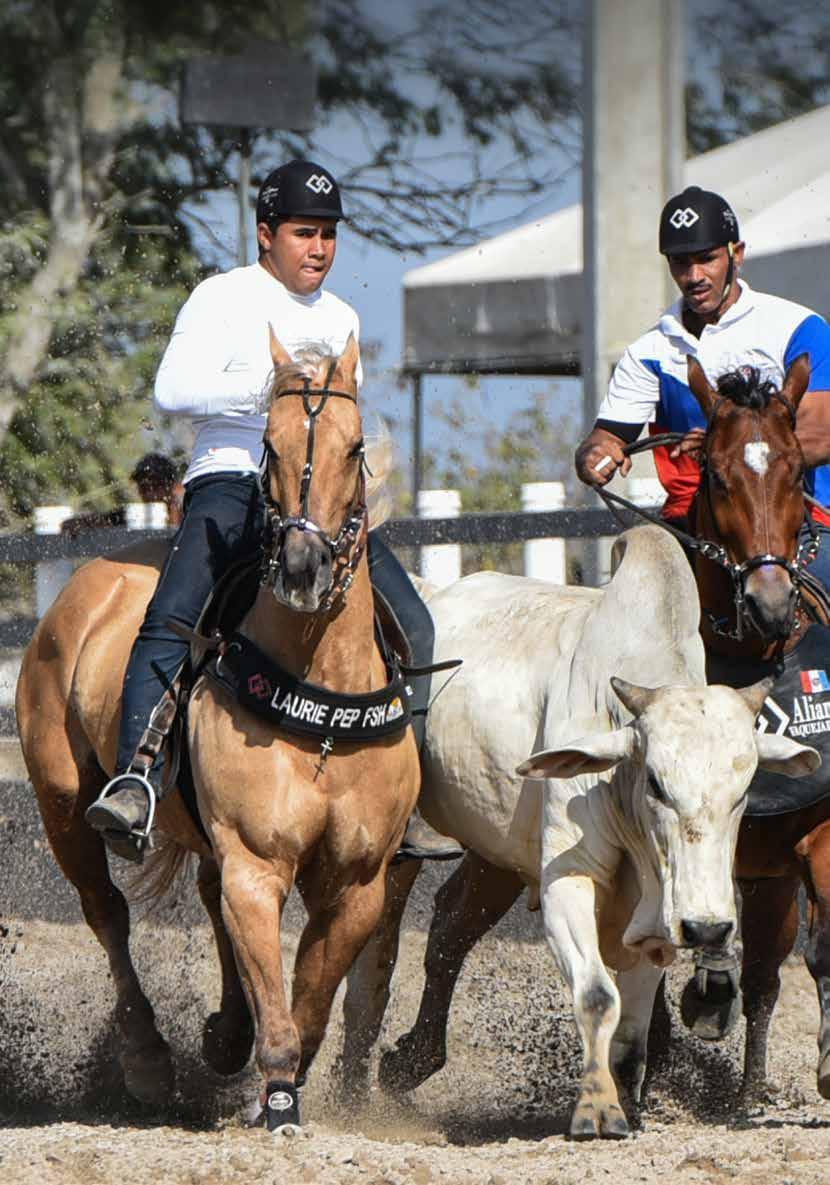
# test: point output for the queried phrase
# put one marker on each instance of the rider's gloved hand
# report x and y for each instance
(599, 457)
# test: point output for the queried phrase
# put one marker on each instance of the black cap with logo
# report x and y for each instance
(696, 220)
(298, 189)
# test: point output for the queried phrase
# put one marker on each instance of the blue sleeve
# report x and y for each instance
(812, 337)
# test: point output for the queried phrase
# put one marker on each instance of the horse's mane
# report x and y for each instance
(380, 448)
(744, 388)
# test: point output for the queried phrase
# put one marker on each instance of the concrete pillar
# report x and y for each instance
(634, 148)
(440, 564)
(50, 575)
(544, 559)
(146, 516)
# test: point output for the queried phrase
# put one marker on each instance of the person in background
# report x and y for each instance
(156, 480)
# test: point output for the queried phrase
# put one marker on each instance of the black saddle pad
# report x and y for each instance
(798, 707)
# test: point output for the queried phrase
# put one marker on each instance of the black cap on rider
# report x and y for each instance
(696, 220)
(299, 189)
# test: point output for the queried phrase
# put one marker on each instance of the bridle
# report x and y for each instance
(715, 551)
(347, 546)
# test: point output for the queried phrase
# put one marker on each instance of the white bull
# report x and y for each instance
(626, 867)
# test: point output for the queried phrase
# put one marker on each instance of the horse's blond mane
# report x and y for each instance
(380, 448)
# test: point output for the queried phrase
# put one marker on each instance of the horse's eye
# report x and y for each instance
(655, 789)
(358, 449)
(718, 480)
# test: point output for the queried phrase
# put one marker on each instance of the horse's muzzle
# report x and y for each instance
(305, 573)
(770, 601)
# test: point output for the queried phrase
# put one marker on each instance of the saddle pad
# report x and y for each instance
(798, 707)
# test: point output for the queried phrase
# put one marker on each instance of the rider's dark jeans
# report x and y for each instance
(222, 524)
(820, 566)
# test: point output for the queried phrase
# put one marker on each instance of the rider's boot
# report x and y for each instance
(123, 813)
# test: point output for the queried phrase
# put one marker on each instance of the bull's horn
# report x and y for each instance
(755, 695)
(635, 698)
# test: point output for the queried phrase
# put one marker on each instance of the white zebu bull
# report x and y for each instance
(627, 867)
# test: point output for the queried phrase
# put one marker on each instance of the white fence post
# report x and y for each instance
(50, 575)
(545, 558)
(646, 491)
(440, 563)
(146, 516)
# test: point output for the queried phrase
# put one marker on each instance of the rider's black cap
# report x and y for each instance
(696, 220)
(299, 189)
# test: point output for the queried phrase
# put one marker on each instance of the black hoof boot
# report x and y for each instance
(711, 1002)
(282, 1107)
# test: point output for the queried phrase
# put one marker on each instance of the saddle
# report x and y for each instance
(798, 707)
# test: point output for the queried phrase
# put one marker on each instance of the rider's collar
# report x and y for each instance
(671, 323)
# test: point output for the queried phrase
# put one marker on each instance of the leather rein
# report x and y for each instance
(347, 546)
(716, 552)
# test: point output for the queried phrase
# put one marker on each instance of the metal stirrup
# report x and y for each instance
(131, 777)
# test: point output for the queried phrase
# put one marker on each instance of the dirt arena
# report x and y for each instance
(497, 1113)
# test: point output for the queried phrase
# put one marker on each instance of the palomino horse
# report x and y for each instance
(275, 810)
(751, 507)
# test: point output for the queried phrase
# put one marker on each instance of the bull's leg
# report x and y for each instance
(253, 897)
(334, 935)
(815, 853)
(568, 908)
(143, 1053)
(228, 1034)
(769, 924)
(629, 1045)
(368, 983)
(467, 905)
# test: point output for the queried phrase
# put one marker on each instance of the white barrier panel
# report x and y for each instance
(646, 491)
(50, 575)
(440, 563)
(544, 559)
(146, 516)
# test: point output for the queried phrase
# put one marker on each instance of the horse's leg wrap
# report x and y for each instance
(711, 1001)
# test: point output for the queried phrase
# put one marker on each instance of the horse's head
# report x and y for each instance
(752, 497)
(313, 477)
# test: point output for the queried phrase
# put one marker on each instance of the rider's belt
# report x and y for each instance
(262, 685)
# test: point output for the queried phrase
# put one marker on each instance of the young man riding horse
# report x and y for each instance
(723, 324)
(216, 370)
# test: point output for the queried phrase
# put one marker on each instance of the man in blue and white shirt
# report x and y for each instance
(724, 324)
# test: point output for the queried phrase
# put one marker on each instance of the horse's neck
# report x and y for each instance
(333, 650)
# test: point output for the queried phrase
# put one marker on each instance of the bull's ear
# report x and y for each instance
(781, 755)
(796, 379)
(279, 354)
(588, 755)
(699, 385)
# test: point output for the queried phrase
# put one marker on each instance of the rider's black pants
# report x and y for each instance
(222, 524)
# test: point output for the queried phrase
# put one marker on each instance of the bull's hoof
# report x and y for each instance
(714, 1015)
(227, 1042)
(823, 1076)
(402, 1069)
(607, 1123)
(148, 1074)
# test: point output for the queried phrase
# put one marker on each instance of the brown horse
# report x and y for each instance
(751, 505)
(275, 811)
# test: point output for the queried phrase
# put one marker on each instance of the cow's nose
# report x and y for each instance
(712, 934)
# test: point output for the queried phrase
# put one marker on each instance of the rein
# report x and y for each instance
(715, 552)
(347, 546)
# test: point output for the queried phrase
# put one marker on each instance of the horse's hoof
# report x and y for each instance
(713, 1016)
(149, 1075)
(226, 1046)
(401, 1070)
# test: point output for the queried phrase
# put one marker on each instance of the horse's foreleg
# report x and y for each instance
(467, 905)
(814, 850)
(332, 939)
(568, 907)
(228, 1035)
(143, 1053)
(769, 924)
(368, 984)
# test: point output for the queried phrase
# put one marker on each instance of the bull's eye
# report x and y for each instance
(655, 789)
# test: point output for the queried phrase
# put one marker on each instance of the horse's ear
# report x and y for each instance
(348, 360)
(699, 385)
(279, 354)
(796, 379)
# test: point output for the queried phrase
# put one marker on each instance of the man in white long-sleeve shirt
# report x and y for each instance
(216, 370)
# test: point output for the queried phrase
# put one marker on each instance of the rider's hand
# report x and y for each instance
(690, 445)
(599, 457)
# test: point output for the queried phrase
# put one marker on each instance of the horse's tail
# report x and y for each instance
(168, 866)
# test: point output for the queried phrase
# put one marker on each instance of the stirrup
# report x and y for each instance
(137, 838)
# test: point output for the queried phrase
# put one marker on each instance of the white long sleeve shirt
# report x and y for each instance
(217, 366)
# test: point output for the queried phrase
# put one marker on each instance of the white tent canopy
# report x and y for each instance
(514, 303)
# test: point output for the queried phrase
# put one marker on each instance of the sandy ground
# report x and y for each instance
(496, 1114)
